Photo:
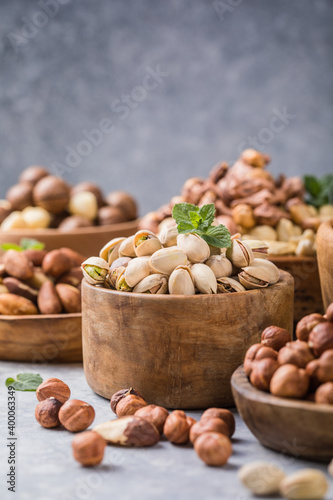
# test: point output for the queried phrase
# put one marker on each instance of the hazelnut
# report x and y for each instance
(191, 421)
(33, 174)
(53, 387)
(177, 428)
(211, 424)
(76, 415)
(322, 369)
(70, 297)
(321, 338)
(124, 202)
(129, 431)
(84, 204)
(324, 394)
(306, 325)
(47, 413)
(213, 448)
(262, 373)
(91, 188)
(88, 448)
(20, 195)
(56, 263)
(157, 415)
(51, 193)
(255, 353)
(48, 299)
(290, 382)
(110, 215)
(224, 414)
(329, 313)
(129, 405)
(117, 396)
(275, 337)
(74, 222)
(296, 353)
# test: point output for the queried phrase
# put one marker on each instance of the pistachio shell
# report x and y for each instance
(181, 281)
(196, 249)
(154, 284)
(164, 261)
(260, 274)
(95, 270)
(126, 248)
(229, 285)
(259, 248)
(110, 251)
(121, 283)
(121, 261)
(137, 270)
(113, 276)
(221, 266)
(168, 236)
(146, 243)
(204, 278)
(240, 253)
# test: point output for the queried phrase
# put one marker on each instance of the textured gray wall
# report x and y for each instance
(231, 68)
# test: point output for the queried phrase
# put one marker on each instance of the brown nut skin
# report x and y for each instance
(191, 421)
(35, 256)
(262, 373)
(53, 387)
(275, 337)
(76, 415)
(321, 338)
(48, 299)
(33, 174)
(74, 222)
(321, 369)
(329, 313)
(18, 265)
(255, 353)
(213, 448)
(90, 188)
(324, 394)
(296, 353)
(75, 258)
(223, 414)
(56, 263)
(70, 298)
(17, 287)
(129, 431)
(20, 196)
(129, 405)
(117, 396)
(110, 215)
(306, 325)
(157, 415)
(51, 193)
(290, 382)
(88, 448)
(125, 202)
(208, 425)
(177, 428)
(73, 277)
(47, 413)
(15, 305)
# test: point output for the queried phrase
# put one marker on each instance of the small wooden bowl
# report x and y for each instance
(325, 260)
(86, 240)
(293, 427)
(178, 351)
(41, 338)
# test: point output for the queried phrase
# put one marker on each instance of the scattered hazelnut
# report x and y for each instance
(53, 387)
(306, 325)
(262, 373)
(275, 337)
(296, 353)
(224, 414)
(129, 405)
(51, 193)
(321, 338)
(20, 195)
(324, 394)
(129, 431)
(290, 382)
(191, 421)
(117, 396)
(91, 188)
(213, 448)
(76, 415)
(177, 428)
(125, 202)
(88, 448)
(47, 413)
(33, 174)
(110, 215)
(157, 415)
(211, 424)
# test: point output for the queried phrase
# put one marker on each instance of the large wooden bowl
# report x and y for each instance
(325, 260)
(293, 427)
(86, 240)
(179, 351)
(41, 338)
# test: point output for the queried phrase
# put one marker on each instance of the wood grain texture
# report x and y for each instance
(86, 240)
(325, 260)
(41, 338)
(178, 351)
(293, 427)
(308, 298)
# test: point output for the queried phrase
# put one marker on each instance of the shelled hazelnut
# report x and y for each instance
(76, 415)
(296, 353)
(289, 381)
(212, 424)
(255, 353)
(177, 428)
(123, 393)
(47, 413)
(129, 405)
(275, 337)
(262, 373)
(321, 338)
(53, 387)
(306, 325)
(88, 448)
(157, 415)
(322, 368)
(224, 415)
(213, 448)
(324, 393)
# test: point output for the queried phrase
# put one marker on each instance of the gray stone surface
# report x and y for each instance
(231, 64)
(47, 471)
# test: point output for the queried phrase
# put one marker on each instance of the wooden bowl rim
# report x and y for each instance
(32, 317)
(249, 392)
(292, 259)
(284, 276)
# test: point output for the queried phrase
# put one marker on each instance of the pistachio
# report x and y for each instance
(220, 265)
(181, 281)
(259, 248)
(263, 232)
(304, 484)
(229, 285)
(204, 278)
(121, 283)
(168, 236)
(240, 253)
(126, 248)
(285, 229)
(121, 261)
(164, 261)
(196, 249)
(136, 270)
(261, 478)
(95, 270)
(110, 251)
(259, 275)
(146, 243)
(113, 276)
(154, 284)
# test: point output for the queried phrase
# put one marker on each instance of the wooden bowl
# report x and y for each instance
(325, 260)
(308, 298)
(86, 240)
(178, 351)
(293, 427)
(41, 338)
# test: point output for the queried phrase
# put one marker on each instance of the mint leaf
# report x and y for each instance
(319, 191)
(181, 212)
(31, 244)
(312, 185)
(185, 227)
(195, 219)
(219, 233)
(10, 246)
(207, 213)
(25, 381)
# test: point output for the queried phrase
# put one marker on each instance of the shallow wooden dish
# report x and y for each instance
(308, 298)
(86, 240)
(178, 351)
(325, 260)
(293, 427)
(41, 338)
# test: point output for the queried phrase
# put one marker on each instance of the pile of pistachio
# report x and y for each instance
(180, 264)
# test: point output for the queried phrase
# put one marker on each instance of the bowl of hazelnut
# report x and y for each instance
(80, 217)
(284, 390)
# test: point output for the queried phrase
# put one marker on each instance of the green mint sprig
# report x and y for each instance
(25, 244)
(319, 191)
(25, 381)
(192, 219)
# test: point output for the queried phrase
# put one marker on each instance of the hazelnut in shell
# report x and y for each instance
(53, 387)
(88, 448)
(157, 415)
(51, 193)
(47, 413)
(117, 396)
(213, 448)
(321, 369)
(76, 415)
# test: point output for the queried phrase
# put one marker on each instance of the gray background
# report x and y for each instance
(230, 66)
